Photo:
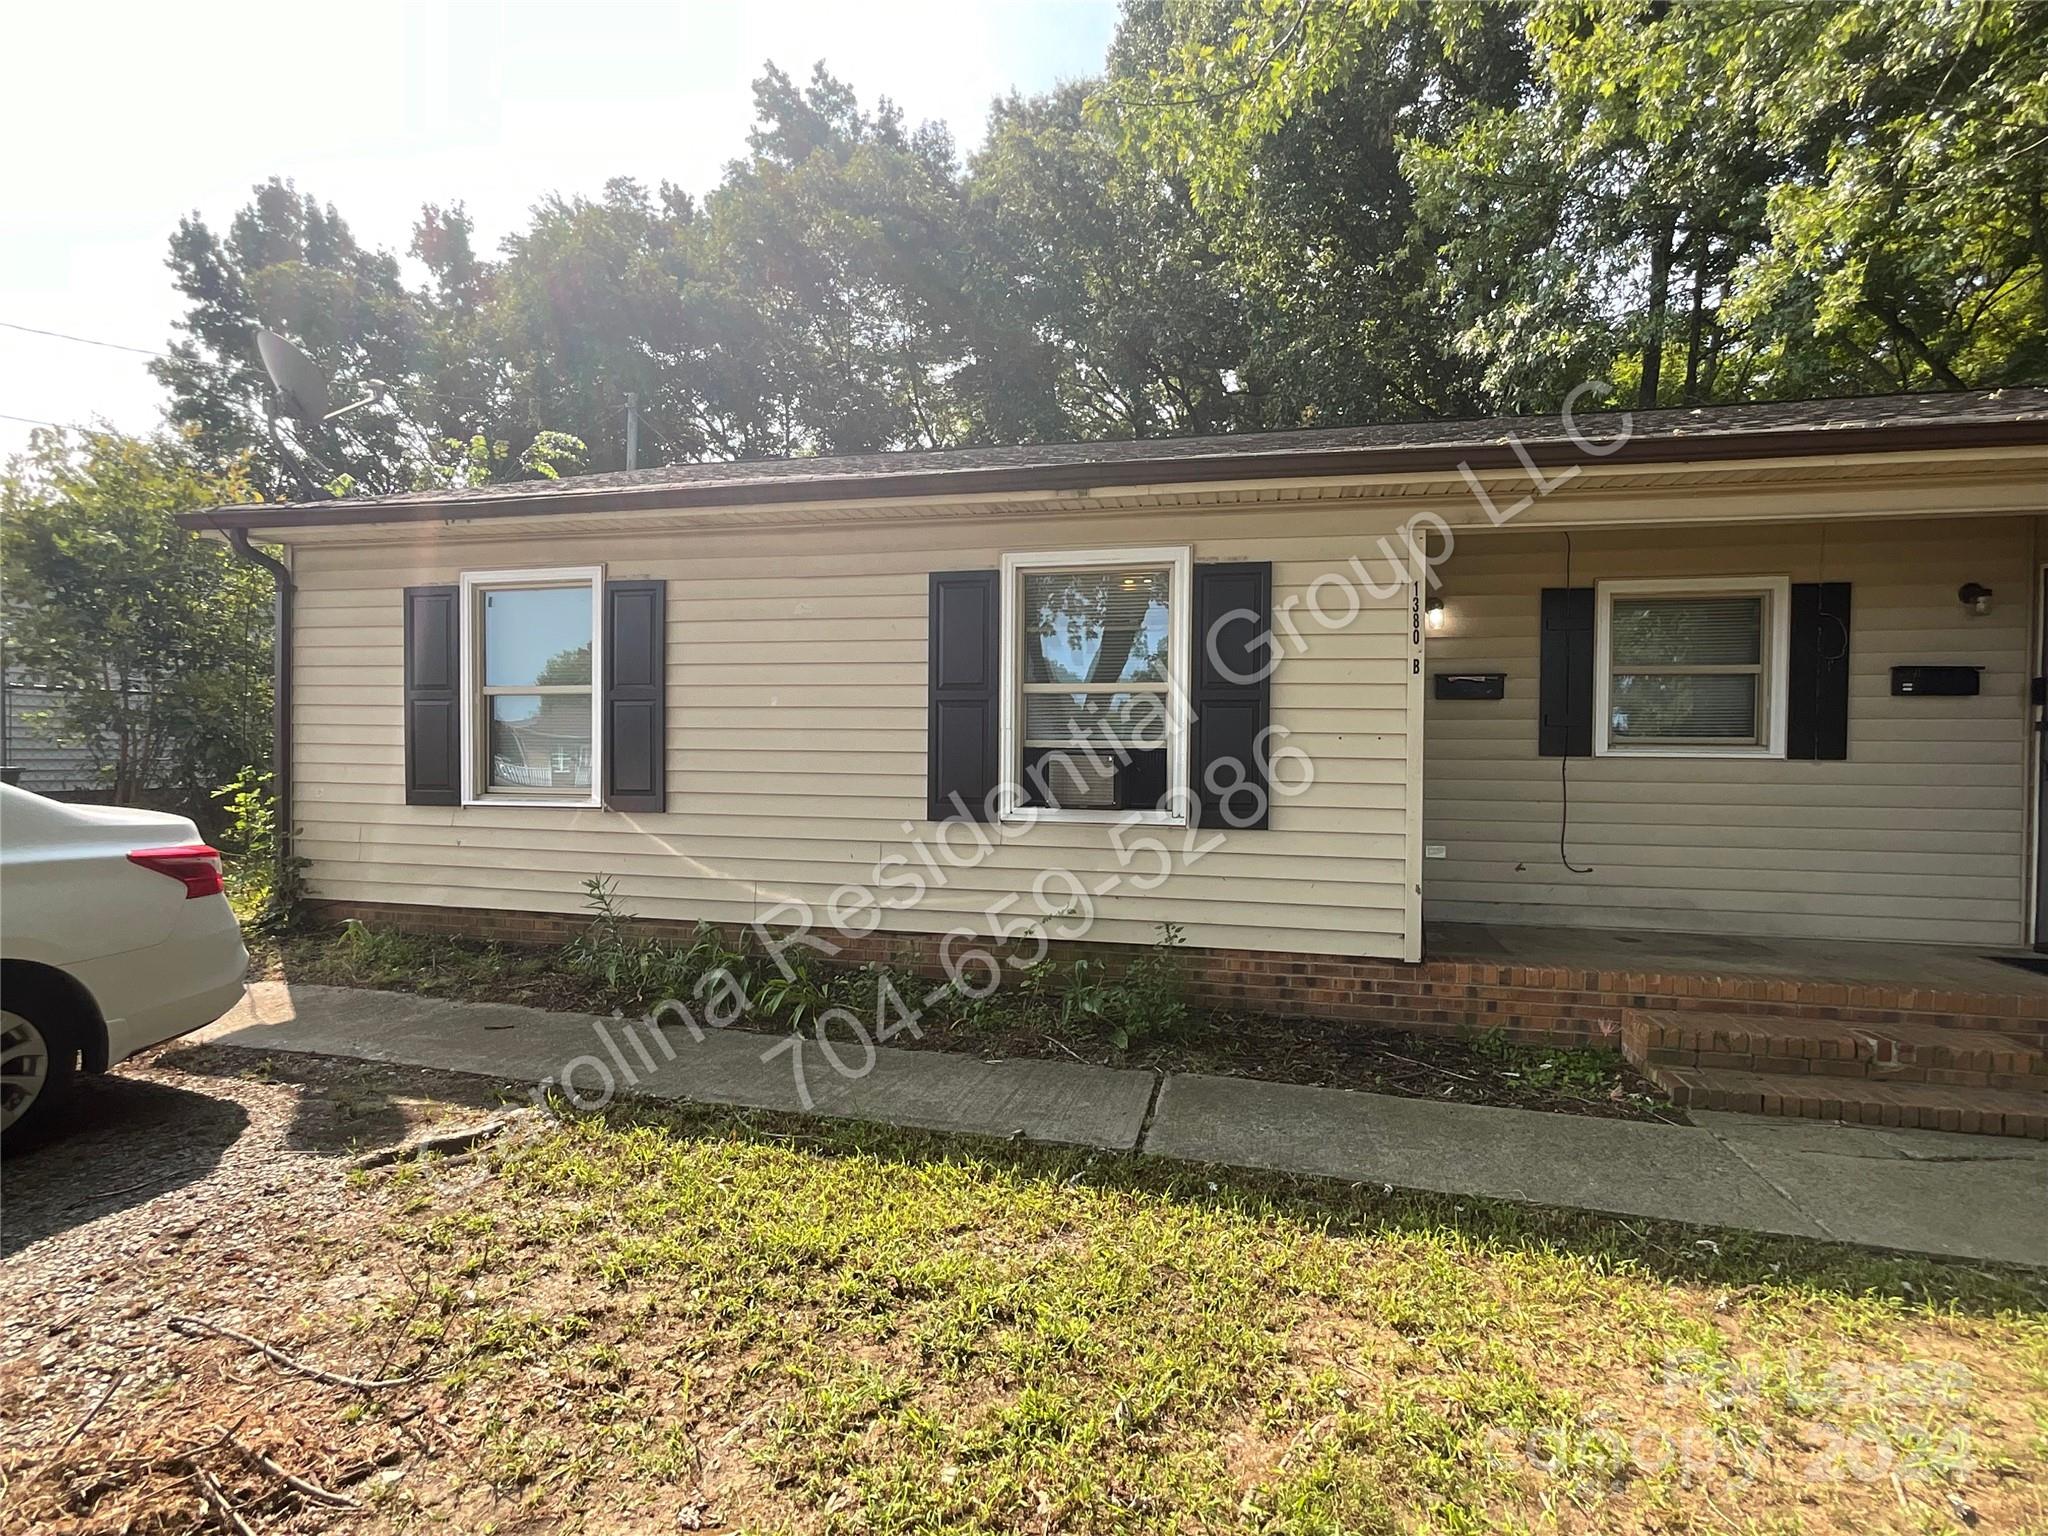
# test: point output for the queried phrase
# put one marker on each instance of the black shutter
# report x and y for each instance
(961, 685)
(1817, 664)
(635, 696)
(1232, 695)
(1565, 668)
(433, 696)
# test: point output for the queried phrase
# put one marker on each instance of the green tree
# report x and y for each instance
(1590, 226)
(838, 245)
(1287, 126)
(461, 465)
(158, 640)
(464, 387)
(590, 304)
(449, 374)
(290, 264)
(1102, 263)
(1909, 248)
(1267, 213)
(1748, 198)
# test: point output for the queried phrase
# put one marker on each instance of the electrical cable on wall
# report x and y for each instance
(1564, 762)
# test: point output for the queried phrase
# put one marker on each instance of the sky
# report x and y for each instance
(125, 117)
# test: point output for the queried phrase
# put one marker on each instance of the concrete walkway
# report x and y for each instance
(1978, 1197)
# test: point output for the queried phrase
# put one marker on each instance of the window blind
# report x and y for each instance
(1095, 708)
(1679, 707)
(1687, 631)
(1096, 628)
(1687, 669)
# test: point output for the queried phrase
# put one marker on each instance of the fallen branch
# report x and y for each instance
(332, 1378)
(108, 1194)
(90, 1414)
(447, 1141)
(204, 1446)
(1427, 1067)
(306, 1486)
(217, 1496)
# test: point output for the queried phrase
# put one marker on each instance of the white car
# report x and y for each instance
(115, 935)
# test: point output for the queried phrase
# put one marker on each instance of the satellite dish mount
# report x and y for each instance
(302, 395)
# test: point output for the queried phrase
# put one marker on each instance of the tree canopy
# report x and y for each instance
(157, 641)
(1263, 214)
(1764, 198)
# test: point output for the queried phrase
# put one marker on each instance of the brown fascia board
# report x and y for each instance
(1793, 442)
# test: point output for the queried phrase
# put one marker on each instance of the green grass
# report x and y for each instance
(847, 1329)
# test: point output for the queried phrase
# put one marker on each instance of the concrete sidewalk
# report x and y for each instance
(1978, 1197)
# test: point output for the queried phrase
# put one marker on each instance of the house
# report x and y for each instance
(1676, 707)
(39, 749)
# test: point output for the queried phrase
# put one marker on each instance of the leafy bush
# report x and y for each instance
(794, 993)
(1561, 1067)
(262, 888)
(632, 970)
(1148, 998)
(1084, 995)
(638, 972)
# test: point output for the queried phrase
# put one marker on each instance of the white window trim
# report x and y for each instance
(1777, 588)
(474, 792)
(1180, 596)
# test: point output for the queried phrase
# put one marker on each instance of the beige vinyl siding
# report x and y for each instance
(796, 750)
(1920, 836)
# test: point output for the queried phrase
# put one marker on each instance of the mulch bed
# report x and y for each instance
(1310, 1052)
(1323, 1053)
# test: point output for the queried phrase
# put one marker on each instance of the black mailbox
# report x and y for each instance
(1940, 682)
(1471, 685)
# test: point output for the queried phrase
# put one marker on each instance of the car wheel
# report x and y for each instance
(37, 1064)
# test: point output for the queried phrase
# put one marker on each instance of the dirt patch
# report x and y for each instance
(202, 1182)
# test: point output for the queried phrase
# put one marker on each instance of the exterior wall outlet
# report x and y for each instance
(1433, 851)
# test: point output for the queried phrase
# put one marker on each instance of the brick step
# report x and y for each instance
(1892, 1053)
(1926, 1106)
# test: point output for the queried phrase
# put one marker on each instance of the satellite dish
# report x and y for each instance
(302, 394)
(301, 387)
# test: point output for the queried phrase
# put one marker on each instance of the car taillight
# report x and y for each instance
(194, 865)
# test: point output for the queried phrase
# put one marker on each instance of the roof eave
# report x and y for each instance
(1191, 469)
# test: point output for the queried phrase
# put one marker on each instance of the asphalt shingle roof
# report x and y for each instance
(1660, 434)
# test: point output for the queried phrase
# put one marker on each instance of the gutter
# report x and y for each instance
(281, 691)
(1705, 447)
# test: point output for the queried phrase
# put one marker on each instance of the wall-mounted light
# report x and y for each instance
(1434, 608)
(1975, 597)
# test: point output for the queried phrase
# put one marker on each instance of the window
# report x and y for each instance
(530, 663)
(1094, 723)
(1692, 668)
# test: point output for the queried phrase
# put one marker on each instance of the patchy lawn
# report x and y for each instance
(1316, 1052)
(714, 1321)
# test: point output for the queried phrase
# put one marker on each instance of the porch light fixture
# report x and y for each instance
(1975, 597)
(1434, 608)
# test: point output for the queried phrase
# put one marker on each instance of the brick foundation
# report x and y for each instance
(1535, 1004)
